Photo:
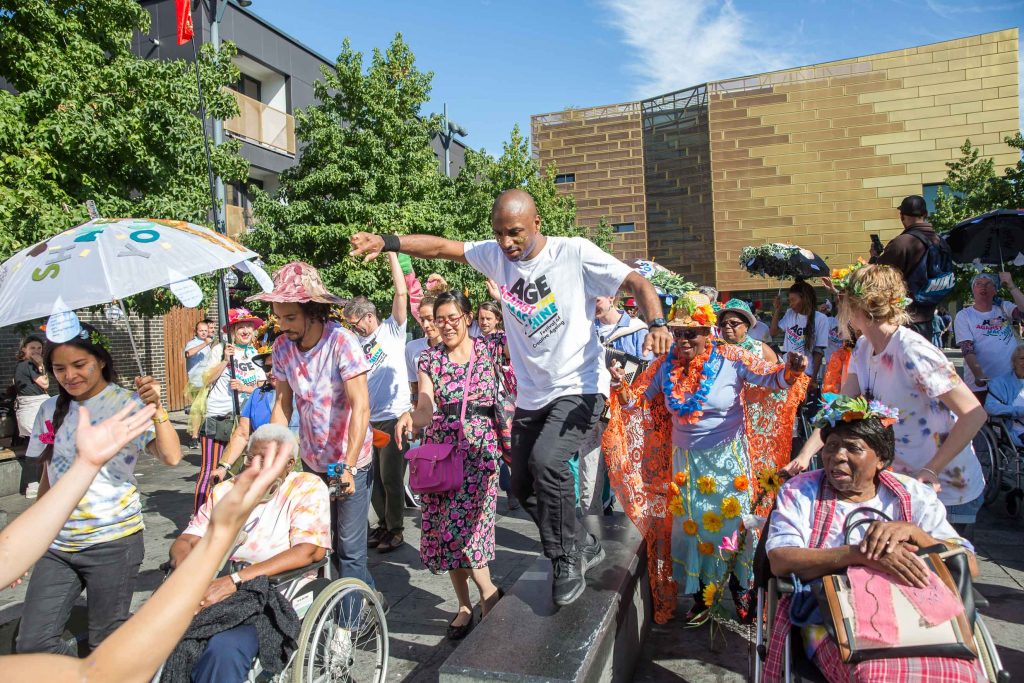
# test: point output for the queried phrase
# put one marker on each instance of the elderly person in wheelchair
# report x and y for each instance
(807, 538)
(288, 531)
(1006, 397)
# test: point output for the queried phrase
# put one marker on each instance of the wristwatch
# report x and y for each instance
(236, 579)
(351, 468)
(225, 465)
(658, 322)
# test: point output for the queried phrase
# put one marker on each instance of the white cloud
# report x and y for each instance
(948, 10)
(680, 43)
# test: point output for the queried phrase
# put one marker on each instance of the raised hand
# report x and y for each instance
(796, 363)
(366, 245)
(658, 341)
(493, 290)
(148, 390)
(97, 444)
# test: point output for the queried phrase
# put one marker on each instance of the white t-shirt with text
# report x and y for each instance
(549, 319)
(219, 401)
(389, 378)
(794, 325)
(993, 338)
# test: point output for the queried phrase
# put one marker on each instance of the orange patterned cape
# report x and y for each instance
(835, 371)
(637, 447)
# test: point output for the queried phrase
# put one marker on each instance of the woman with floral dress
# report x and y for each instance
(696, 458)
(458, 526)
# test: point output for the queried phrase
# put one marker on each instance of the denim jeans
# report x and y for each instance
(228, 656)
(107, 571)
(348, 524)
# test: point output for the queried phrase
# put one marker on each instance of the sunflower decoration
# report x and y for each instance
(838, 408)
(710, 593)
(769, 480)
(712, 521)
(731, 507)
(682, 477)
(673, 489)
(741, 482)
(706, 548)
(690, 527)
(706, 484)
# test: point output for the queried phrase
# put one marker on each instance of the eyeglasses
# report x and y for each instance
(448, 321)
(732, 323)
(689, 333)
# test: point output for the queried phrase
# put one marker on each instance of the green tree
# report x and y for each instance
(88, 119)
(366, 164)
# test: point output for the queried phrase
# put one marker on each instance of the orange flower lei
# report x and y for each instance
(686, 379)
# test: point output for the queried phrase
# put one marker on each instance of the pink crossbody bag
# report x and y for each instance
(438, 467)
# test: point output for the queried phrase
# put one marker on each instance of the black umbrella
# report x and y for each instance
(990, 238)
(783, 261)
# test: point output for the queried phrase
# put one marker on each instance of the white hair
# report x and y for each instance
(277, 433)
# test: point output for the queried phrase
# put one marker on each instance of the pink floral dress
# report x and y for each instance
(458, 526)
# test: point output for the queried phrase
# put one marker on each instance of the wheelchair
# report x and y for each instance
(796, 666)
(1002, 462)
(343, 634)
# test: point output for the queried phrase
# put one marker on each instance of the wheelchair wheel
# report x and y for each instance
(344, 636)
(986, 446)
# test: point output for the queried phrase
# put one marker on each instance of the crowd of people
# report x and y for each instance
(574, 385)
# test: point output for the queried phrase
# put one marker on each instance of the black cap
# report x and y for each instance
(914, 205)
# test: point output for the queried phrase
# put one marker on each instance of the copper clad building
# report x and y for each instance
(819, 156)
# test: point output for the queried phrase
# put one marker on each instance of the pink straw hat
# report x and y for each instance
(298, 282)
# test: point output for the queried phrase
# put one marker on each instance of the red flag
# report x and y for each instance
(184, 8)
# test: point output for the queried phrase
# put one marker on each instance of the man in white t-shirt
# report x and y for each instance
(548, 286)
(383, 344)
(197, 350)
(984, 331)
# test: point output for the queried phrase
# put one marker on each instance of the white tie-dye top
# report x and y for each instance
(111, 508)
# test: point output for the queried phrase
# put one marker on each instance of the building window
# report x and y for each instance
(563, 178)
(623, 227)
(931, 192)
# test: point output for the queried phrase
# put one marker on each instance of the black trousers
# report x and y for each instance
(543, 442)
(107, 570)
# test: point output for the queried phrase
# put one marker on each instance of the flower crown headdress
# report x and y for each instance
(841, 281)
(703, 314)
(837, 408)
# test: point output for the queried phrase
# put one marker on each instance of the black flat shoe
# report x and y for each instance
(460, 632)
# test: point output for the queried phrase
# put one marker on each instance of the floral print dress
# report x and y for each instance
(458, 526)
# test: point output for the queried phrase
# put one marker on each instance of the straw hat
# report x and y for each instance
(298, 282)
(693, 309)
(237, 316)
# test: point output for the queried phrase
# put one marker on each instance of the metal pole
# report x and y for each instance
(446, 140)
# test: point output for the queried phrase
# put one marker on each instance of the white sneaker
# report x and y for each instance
(32, 490)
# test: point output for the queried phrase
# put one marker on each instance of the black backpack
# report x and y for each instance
(932, 279)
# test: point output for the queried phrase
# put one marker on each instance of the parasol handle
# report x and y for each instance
(131, 338)
(999, 245)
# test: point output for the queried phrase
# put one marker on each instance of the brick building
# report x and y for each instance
(819, 156)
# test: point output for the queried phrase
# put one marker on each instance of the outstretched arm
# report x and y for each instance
(24, 540)
(400, 302)
(370, 246)
(135, 650)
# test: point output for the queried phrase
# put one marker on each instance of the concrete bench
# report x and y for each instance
(597, 638)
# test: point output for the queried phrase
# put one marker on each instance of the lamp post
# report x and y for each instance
(449, 129)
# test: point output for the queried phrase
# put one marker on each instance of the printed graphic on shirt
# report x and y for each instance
(834, 338)
(247, 372)
(533, 305)
(997, 326)
(374, 353)
(795, 335)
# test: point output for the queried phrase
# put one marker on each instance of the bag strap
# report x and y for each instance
(465, 384)
(850, 525)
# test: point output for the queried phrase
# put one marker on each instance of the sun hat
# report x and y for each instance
(237, 316)
(740, 308)
(296, 283)
(629, 303)
(693, 309)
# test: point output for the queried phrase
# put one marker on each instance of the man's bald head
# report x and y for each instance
(516, 225)
(514, 202)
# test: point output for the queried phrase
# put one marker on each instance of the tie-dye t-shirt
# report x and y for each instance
(299, 512)
(317, 378)
(911, 374)
(110, 508)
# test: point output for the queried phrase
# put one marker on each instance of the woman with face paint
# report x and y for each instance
(100, 547)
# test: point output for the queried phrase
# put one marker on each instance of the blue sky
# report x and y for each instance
(496, 62)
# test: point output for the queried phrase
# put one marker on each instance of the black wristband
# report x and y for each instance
(391, 243)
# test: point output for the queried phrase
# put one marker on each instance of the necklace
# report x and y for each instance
(684, 378)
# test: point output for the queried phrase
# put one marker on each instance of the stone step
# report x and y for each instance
(597, 638)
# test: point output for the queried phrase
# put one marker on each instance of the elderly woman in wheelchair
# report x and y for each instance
(836, 519)
(289, 531)
(1006, 397)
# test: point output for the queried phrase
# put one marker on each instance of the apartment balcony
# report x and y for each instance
(261, 124)
(238, 220)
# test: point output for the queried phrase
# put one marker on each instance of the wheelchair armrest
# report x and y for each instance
(980, 601)
(784, 586)
(284, 577)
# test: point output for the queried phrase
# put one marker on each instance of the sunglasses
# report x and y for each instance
(732, 323)
(690, 333)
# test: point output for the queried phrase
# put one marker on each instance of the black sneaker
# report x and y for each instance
(592, 552)
(568, 578)
(375, 536)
